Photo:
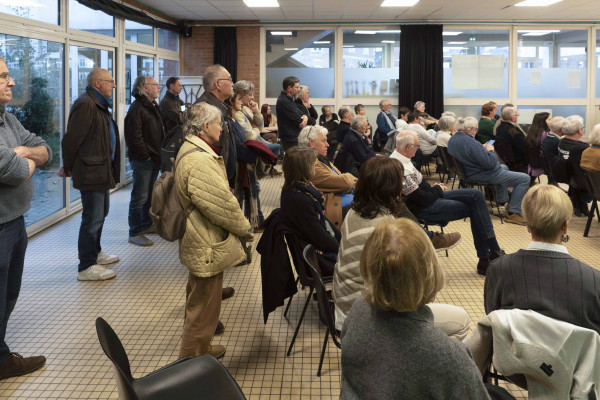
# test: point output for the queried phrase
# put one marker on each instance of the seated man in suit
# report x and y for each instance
(386, 124)
(355, 148)
(509, 133)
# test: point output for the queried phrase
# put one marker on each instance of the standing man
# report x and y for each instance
(92, 134)
(289, 119)
(172, 108)
(20, 153)
(218, 87)
(144, 133)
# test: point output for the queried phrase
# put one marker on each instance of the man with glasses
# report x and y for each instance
(144, 134)
(92, 158)
(510, 133)
(21, 152)
(435, 204)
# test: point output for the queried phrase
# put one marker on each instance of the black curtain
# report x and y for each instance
(122, 11)
(421, 73)
(225, 49)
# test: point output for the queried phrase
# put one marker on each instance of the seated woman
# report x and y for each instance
(209, 245)
(590, 158)
(535, 136)
(328, 118)
(355, 149)
(485, 130)
(420, 110)
(446, 125)
(335, 187)
(376, 200)
(302, 100)
(269, 132)
(544, 277)
(302, 207)
(391, 348)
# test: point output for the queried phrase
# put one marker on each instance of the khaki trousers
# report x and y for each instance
(202, 308)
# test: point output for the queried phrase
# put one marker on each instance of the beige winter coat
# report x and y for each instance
(210, 244)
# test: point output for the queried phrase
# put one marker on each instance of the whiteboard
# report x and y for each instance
(526, 115)
(477, 72)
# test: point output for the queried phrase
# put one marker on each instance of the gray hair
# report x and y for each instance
(404, 138)
(508, 113)
(446, 122)
(418, 104)
(243, 88)
(382, 102)
(343, 111)
(556, 124)
(309, 133)
(211, 74)
(91, 78)
(448, 114)
(465, 124)
(301, 92)
(571, 125)
(197, 115)
(358, 121)
(138, 85)
(595, 135)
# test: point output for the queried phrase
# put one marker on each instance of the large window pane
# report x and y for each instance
(371, 61)
(168, 39)
(166, 69)
(475, 64)
(598, 64)
(308, 55)
(37, 68)
(526, 113)
(38, 10)
(139, 33)
(552, 63)
(86, 19)
(81, 61)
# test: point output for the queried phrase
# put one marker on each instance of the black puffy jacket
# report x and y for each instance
(144, 130)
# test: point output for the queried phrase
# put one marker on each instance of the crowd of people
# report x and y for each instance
(357, 195)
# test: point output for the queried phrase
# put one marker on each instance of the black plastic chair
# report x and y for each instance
(325, 304)
(448, 165)
(187, 378)
(593, 183)
(304, 278)
(505, 152)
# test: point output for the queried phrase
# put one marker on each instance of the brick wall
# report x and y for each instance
(197, 53)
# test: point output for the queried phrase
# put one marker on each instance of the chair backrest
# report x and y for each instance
(310, 256)
(578, 179)
(447, 161)
(460, 170)
(534, 157)
(505, 151)
(298, 261)
(593, 179)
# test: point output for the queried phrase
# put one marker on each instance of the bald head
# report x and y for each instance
(101, 80)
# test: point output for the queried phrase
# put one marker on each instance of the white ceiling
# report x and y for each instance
(332, 11)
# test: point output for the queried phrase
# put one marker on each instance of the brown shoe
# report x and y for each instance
(249, 237)
(17, 365)
(227, 293)
(275, 172)
(216, 350)
(515, 219)
(220, 328)
(445, 241)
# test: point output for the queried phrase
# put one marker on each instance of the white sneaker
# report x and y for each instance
(104, 259)
(96, 273)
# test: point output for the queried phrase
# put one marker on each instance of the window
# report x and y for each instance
(38, 10)
(371, 63)
(139, 33)
(526, 113)
(598, 64)
(166, 69)
(88, 20)
(308, 55)
(167, 39)
(551, 63)
(476, 64)
(135, 66)
(37, 68)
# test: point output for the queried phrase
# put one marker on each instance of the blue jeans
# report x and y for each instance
(13, 243)
(519, 181)
(275, 148)
(95, 205)
(255, 190)
(459, 204)
(144, 176)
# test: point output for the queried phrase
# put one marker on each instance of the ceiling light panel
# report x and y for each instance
(536, 3)
(399, 3)
(261, 3)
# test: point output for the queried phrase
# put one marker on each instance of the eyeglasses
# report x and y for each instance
(6, 77)
(111, 81)
(418, 146)
(225, 79)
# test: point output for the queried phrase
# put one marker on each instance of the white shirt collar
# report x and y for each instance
(533, 245)
(408, 165)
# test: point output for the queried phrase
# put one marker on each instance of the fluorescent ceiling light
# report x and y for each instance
(365, 32)
(536, 3)
(388, 41)
(281, 33)
(348, 46)
(322, 42)
(393, 31)
(290, 48)
(261, 3)
(456, 42)
(448, 33)
(538, 33)
(399, 3)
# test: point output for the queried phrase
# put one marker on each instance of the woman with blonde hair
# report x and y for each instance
(390, 346)
(210, 244)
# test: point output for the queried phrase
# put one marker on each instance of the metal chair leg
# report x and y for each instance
(590, 218)
(300, 320)
(290, 300)
(323, 352)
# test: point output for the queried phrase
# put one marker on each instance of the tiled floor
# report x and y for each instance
(55, 314)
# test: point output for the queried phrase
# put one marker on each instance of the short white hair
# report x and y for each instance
(309, 133)
(448, 114)
(404, 138)
(382, 102)
(303, 89)
(419, 104)
(556, 123)
(572, 124)
(358, 121)
(446, 122)
(595, 135)
(508, 113)
(465, 124)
